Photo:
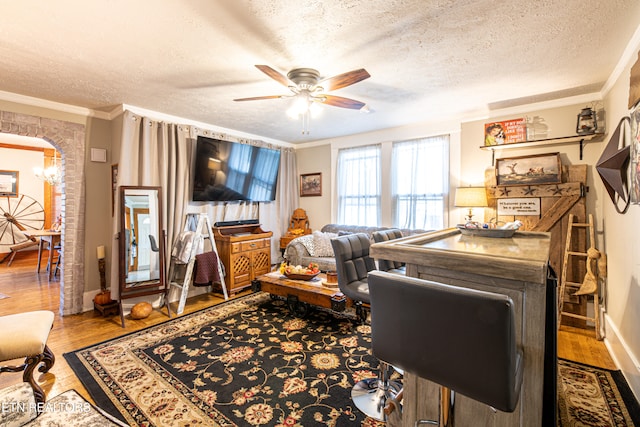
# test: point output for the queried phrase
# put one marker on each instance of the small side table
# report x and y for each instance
(284, 240)
(110, 308)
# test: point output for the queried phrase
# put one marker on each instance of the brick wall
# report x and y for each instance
(69, 139)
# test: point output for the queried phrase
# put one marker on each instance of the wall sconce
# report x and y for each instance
(470, 197)
(587, 123)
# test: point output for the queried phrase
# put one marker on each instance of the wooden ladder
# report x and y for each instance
(196, 223)
(573, 283)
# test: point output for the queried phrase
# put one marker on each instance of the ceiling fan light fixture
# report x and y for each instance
(299, 106)
(307, 90)
(315, 110)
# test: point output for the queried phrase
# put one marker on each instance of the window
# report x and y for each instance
(415, 188)
(358, 184)
(419, 183)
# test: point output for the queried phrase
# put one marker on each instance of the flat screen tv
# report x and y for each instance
(226, 171)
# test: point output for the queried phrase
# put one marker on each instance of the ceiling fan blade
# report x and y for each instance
(275, 75)
(258, 98)
(344, 80)
(338, 101)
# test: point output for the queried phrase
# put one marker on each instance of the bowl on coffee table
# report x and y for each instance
(298, 276)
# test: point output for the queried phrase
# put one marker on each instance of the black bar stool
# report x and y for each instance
(463, 339)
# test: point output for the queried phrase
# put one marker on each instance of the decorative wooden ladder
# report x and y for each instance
(574, 284)
(196, 223)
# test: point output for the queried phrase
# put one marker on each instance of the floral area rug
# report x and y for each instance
(589, 396)
(246, 362)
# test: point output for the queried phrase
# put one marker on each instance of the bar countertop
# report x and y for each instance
(522, 257)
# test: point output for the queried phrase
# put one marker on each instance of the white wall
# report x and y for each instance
(23, 161)
(322, 156)
(622, 245)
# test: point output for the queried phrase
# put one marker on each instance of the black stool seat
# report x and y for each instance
(461, 338)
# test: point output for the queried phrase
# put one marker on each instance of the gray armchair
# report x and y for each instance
(384, 264)
(353, 265)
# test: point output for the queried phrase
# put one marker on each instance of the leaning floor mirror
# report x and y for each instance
(141, 245)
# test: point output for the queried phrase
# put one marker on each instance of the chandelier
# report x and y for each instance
(52, 174)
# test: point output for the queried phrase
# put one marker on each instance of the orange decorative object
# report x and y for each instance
(103, 298)
(141, 310)
(298, 226)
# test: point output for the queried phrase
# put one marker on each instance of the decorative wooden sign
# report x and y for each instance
(527, 206)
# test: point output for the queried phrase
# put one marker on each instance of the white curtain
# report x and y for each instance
(420, 171)
(154, 153)
(358, 183)
(287, 197)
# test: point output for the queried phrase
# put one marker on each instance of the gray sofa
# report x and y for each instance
(316, 247)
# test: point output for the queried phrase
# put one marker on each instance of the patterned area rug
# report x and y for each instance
(589, 396)
(248, 362)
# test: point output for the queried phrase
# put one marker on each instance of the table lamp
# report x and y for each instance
(470, 197)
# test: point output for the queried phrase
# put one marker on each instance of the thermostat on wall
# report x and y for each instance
(99, 155)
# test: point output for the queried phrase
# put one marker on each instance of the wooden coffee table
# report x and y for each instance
(301, 294)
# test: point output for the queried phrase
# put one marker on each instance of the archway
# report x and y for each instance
(69, 139)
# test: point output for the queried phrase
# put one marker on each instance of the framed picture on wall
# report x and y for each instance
(311, 184)
(8, 183)
(529, 170)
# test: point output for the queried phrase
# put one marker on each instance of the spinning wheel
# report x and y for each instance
(18, 214)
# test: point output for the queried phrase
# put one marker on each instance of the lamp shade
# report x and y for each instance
(470, 197)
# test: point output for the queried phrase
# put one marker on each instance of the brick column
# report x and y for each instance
(69, 139)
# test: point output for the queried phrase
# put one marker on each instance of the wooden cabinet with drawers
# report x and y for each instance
(245, 251)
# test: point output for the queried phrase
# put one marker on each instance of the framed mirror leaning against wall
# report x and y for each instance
(141, 245)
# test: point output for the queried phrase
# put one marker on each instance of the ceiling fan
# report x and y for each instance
(305, 83)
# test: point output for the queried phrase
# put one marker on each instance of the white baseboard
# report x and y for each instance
(622, 356)
(174, 296)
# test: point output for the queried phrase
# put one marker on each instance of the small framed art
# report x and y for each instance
(311, 184)
(9, 183)
(529, 170)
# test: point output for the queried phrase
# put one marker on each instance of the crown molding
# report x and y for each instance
(181, 120)
(628, 56)
(52, 105)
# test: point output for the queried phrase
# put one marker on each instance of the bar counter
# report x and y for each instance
(516, 266)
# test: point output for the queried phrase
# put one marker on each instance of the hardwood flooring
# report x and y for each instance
(28, 290)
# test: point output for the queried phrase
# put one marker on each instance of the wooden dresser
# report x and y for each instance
(516, 267)
(245, 251)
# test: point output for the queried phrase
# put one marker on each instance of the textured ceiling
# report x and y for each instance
(428, 59)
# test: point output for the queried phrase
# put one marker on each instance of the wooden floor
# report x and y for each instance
(27, 290)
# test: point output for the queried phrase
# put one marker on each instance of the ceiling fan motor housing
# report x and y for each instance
(304, 78)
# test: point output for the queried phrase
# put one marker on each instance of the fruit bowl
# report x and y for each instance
(298, 276)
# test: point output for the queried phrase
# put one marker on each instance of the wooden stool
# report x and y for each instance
(25, 335)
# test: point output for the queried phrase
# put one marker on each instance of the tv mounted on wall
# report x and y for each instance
(227, 171)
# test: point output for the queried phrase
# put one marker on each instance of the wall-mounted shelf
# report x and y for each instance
(539, 142)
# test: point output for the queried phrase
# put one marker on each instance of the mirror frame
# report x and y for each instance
(149, 287)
